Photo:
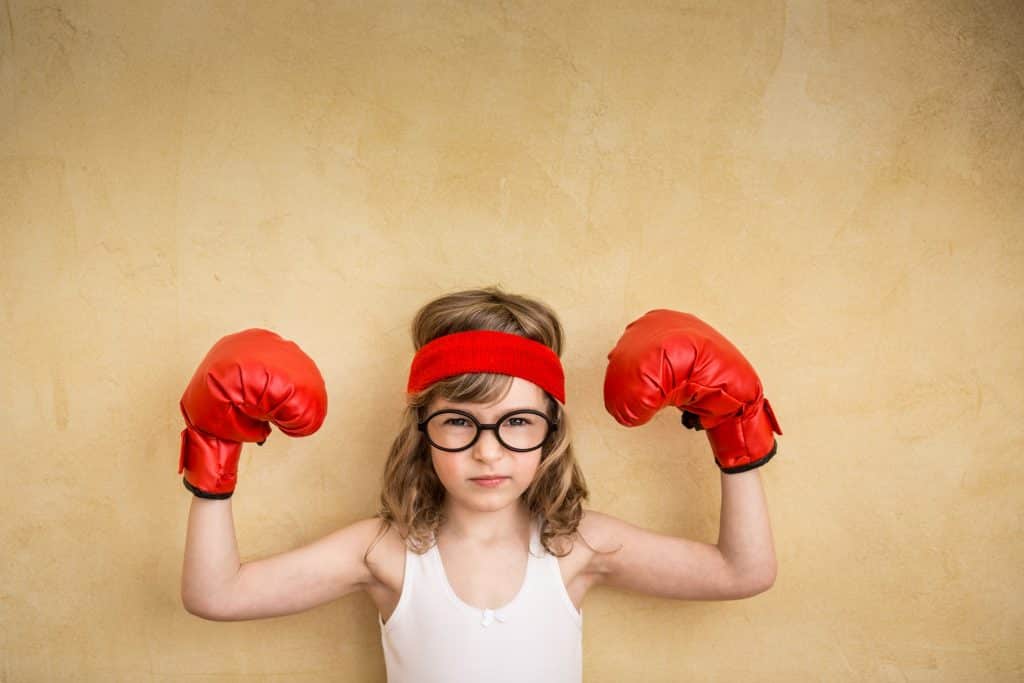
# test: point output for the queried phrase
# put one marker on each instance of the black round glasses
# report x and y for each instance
(456, 430)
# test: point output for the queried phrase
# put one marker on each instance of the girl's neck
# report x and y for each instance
(508, 526)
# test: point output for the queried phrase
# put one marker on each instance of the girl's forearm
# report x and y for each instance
(211, 554)
(745, 533)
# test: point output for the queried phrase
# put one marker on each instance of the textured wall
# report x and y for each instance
(836, 186)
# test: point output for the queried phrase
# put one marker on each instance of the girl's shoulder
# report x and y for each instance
(595, 530)
(385, 555)
(581, 551)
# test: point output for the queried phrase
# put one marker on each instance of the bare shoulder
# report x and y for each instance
(583, 563)
(384, 555)
(371, 543)
(600, 532)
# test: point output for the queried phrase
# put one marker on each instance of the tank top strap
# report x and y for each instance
(536, 547)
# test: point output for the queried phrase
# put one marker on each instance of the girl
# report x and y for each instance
(471, 559)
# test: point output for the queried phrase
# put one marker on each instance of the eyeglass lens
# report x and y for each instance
(524, 431)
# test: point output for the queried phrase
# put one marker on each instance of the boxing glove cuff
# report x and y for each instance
(210, 464)
(745, 442)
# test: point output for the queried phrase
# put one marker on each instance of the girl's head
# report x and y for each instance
(419, 476)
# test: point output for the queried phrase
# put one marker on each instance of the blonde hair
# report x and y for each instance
(412, 495)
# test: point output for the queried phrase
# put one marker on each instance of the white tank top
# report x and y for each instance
(435, 637)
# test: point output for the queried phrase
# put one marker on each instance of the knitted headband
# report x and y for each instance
(487, 351)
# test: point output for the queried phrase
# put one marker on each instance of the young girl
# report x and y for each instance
(472, 560)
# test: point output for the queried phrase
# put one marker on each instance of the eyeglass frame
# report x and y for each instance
(480, 427)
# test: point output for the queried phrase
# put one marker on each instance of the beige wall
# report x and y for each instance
(836, 186)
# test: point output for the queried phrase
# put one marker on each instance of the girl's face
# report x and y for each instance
(487, 457)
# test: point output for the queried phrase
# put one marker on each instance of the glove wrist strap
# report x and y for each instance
(210, 464)
(746, 442)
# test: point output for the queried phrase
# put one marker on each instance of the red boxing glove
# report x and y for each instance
(671, 358)
(246, 380)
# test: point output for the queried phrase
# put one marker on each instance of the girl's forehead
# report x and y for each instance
(522, 394)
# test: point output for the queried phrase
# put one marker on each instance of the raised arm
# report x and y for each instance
(745, 532)
(246, 381)
(215, 586)
(211, 557)
(742, 564)
(671, 358)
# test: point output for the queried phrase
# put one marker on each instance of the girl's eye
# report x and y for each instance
(518, 421)
(456, 421)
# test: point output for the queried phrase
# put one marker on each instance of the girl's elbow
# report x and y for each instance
(197, 610)
(764, 581)
(203, 610)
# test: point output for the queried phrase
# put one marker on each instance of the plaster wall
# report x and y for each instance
(835, 186)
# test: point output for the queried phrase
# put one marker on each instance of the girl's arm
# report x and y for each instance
(215, 586)
(671, 358)
(745, 532)
(211, 555)
(741, 565)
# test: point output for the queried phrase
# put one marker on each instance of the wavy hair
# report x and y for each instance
(412, 495)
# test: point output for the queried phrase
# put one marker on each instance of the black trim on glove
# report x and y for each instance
(751, 465)
(204, 494)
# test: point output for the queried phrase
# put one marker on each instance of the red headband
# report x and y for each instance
(487, 351)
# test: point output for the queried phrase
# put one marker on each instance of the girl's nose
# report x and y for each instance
(488, 445)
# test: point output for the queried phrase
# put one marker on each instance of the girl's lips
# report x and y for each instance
(496, 481)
